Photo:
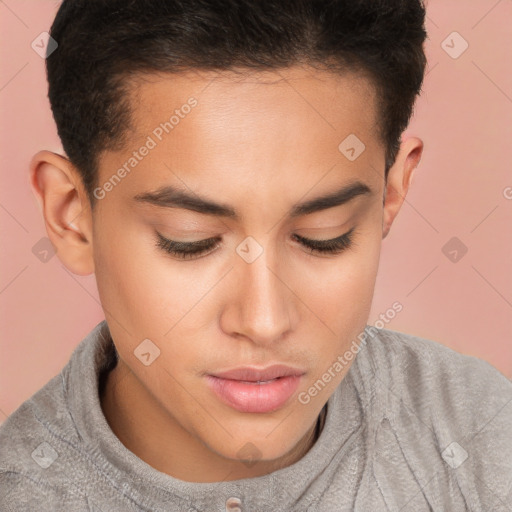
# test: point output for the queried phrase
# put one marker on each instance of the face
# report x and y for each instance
(237, 263)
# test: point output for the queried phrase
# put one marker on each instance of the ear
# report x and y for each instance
(65, 206)
(398, 180)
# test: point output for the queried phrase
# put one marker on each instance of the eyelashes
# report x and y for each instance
(187, 250)
(190, 250)
(332, 246)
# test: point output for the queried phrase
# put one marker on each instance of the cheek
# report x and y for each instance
(340, 296)
(144, 295)
(136, 279)
(342, 287)
(150, 295)
(130, 278)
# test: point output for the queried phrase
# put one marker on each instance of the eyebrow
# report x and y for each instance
(172, 197)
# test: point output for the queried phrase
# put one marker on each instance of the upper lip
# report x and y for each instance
(252, 374)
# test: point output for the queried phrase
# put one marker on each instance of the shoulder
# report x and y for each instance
(44, 456)
(449, 411)
(29, 422)
(47, 418)
(412, 358)
(32, 440)
(431, 375)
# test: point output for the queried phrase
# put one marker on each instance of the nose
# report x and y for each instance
(261, 305)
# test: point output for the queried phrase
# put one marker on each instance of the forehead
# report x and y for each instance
(324, 100)
(232, 128)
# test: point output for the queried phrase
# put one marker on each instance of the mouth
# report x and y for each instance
(255, 390)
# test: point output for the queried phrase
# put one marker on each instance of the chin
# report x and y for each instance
(251, 450)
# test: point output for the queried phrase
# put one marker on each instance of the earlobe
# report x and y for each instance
(65, 207)
(399, 179)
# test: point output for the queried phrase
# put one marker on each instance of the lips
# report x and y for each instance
(250, 374)
(255, 390)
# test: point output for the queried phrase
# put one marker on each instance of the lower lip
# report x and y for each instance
(249, 397)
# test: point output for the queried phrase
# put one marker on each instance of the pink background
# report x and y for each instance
(462, 188)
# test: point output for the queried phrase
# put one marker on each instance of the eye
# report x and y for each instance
(332, 246)
(189, 250)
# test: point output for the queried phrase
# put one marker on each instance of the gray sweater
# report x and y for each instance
(414, 426)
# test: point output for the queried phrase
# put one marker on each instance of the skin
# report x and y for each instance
(259, 144)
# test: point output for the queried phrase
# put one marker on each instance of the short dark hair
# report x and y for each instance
(104, 44)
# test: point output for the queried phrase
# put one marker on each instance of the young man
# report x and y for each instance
(232, 168)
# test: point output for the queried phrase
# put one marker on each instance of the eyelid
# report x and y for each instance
(325, 241)
(185, 245)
